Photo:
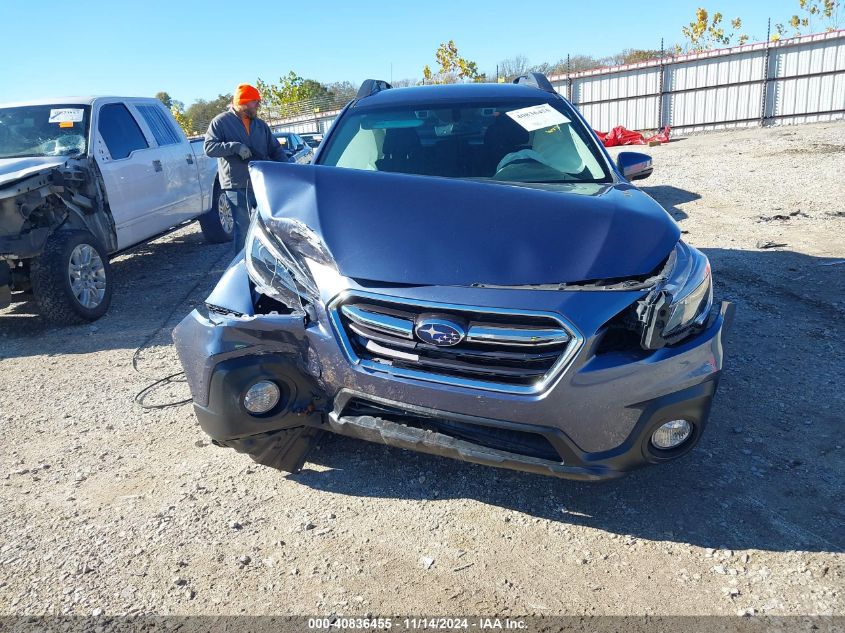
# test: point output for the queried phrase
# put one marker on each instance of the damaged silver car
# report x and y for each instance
(463, 272)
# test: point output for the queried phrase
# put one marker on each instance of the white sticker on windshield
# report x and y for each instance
(537, 117)
(66, 115)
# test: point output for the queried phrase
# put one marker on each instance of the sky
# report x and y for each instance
(193, 49)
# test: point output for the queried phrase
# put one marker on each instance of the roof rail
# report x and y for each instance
(537, 80)
(372, 86)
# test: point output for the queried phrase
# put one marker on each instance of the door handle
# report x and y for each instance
(190, 159)
(157, 165)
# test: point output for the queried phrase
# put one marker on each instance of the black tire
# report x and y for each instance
(212, 222)
(50, 274)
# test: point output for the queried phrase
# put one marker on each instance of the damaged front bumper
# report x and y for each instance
(592, 423)
(36, 201)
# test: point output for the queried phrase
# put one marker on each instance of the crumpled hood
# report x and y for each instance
(396, 228)
(12, 169)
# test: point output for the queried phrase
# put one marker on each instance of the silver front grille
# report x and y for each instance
(496, 349)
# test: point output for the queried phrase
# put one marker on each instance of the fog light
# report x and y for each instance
(672, 434)
(261, 397)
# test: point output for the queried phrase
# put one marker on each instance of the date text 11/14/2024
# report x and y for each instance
(416, 623)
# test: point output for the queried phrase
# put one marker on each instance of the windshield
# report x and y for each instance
(517, 141)
(44, 130)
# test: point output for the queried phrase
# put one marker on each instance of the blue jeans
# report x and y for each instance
(240, 204)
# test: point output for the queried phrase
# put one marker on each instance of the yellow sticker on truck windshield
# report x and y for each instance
(537, 117)
(66, 115)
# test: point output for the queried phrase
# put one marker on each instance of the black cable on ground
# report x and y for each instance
(159, 382)
(141, 395)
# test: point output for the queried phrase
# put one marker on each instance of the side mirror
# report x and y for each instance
(300, 147)
(634, 166)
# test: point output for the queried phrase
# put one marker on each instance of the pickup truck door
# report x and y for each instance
(184, 196)
(133, 173)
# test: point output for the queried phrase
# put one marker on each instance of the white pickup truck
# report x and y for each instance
(82, 179)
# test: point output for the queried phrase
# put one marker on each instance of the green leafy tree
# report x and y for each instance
(165, 98)
(183, 120)
(452, 67)
(342, 92)
(293, 95)
(201, 111)
(707, 31)
(806, 20)
(168, 101)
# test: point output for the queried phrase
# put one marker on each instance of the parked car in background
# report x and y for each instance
(83, 178)
(463, 271)
(298, 150)
(312, 139)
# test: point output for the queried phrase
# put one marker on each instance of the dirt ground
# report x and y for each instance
(108, 508)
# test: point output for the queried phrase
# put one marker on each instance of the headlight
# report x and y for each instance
(275, 270)
(682, 303)
(692, 305)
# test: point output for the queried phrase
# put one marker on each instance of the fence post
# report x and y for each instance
(660, 95)
(765, 91)
(568, 79)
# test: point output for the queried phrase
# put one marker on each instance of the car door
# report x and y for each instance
(133, 173)
(184, 197)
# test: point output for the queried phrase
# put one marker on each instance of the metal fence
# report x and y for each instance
(798, 80)
(317, 122)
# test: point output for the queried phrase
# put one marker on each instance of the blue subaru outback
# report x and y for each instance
(462, 271)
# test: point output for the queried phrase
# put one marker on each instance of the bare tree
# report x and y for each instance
(575, 63)
(633, 56)
(513, 67)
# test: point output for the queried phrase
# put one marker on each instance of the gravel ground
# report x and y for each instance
(108, 508)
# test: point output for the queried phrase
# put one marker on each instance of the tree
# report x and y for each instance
(635, 56)
(342, 91)
(183, 120)
(513, 67)
(574, 64)
(293, 95)
(169, 101)
(453, 67)
(809, 11)
(201, 111)
(705, 31)
(165, 98)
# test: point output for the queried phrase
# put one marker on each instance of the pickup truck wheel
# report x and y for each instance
(218, 224)
(71, 279)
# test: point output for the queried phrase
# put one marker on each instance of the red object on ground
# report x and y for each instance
(622, 136)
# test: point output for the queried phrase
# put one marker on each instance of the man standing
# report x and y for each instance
(234, 138)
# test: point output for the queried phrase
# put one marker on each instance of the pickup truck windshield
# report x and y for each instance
(44, 130)
(524, 141)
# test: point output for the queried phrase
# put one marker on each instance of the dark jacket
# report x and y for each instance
(226, 133)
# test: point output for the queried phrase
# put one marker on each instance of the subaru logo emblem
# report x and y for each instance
(440, 331)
